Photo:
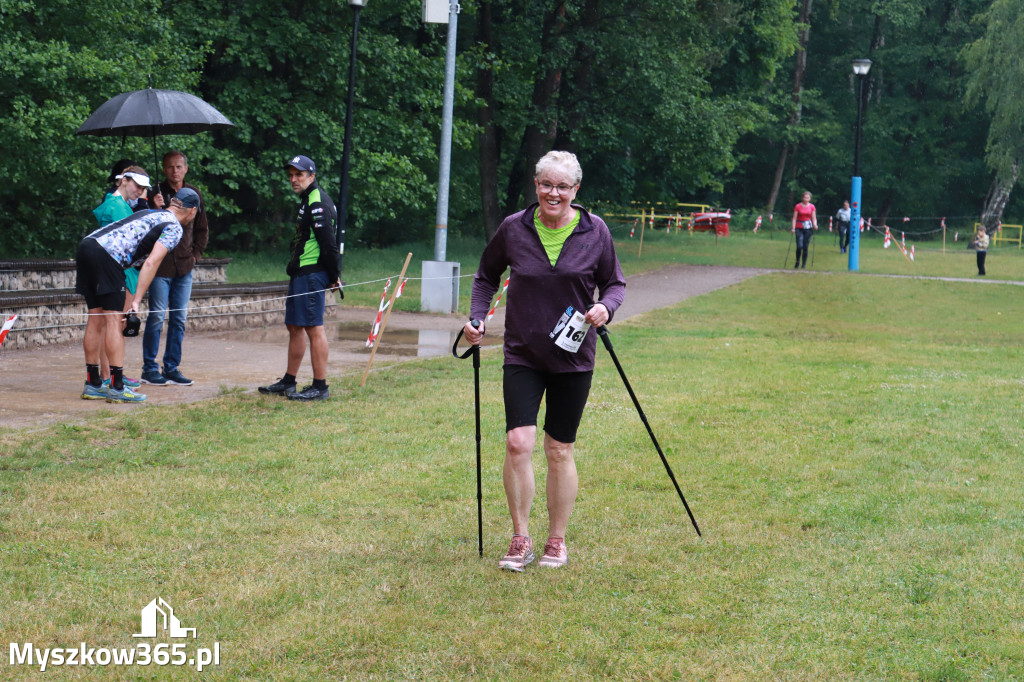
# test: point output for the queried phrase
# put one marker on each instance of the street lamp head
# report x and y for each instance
(357, 3)
(861, 66)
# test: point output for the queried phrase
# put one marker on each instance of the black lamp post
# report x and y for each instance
(860, 69)
(357, 6)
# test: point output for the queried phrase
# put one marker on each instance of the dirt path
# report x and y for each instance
(42, 386)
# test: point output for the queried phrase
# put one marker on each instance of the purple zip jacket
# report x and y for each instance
(539, 294)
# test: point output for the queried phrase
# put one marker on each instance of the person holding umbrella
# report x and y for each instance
(101, 259)
(558, 253)
(171, 289)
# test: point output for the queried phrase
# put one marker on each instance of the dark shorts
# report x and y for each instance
(306, 300)
(100, 279)
(566, 397)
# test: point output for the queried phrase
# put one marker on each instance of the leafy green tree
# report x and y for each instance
(280, 71)
(651, 96)
(59, 60)
(921, 149)
(995, 63)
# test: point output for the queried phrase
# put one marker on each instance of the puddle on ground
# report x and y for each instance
(422, 343)
(405, 342)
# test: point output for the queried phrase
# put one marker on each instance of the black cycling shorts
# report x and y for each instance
(99, 278)
(566, 397)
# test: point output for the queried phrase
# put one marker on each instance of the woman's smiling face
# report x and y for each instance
(556, 190)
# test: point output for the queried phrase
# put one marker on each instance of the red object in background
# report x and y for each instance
(705, 222)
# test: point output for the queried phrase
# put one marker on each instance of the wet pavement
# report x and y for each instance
(42, 386)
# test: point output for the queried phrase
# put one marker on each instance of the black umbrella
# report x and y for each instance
(148, 113)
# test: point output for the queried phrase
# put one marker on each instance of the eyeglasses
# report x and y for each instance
(562, 189)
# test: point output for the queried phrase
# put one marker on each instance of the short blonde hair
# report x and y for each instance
(561, 161)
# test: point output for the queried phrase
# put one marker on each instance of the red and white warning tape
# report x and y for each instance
(7, 327)
(498, 302)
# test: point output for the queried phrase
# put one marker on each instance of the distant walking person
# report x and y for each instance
(805, 219)
(172, 287)
(843, 225)
(314, 268)
(981, 246)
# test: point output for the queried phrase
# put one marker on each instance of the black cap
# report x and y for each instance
(187, 197)
(302, 163)
(118, 169)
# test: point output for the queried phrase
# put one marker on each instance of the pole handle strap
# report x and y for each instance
(469, 351)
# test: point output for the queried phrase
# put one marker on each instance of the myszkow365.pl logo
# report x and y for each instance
(156, 616)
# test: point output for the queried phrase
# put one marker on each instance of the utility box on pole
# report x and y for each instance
(435, 11)
(440, 293)
(440, 290)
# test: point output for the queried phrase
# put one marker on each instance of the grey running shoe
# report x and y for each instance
(126, 395)
(520, 553)
(91, 392)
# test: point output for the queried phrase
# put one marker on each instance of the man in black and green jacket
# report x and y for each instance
(314, 269)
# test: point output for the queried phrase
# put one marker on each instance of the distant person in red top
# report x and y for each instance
(805, 219)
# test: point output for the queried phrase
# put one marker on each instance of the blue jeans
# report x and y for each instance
(165, 293)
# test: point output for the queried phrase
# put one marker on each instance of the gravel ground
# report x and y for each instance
(42, 386)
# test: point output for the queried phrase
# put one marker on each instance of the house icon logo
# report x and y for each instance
(159, 611)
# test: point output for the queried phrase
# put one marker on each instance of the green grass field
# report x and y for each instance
(364, 269)
(850, 446)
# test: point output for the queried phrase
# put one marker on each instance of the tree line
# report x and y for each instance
(734, 103)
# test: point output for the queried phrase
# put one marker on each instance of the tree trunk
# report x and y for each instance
(578, 88)
(794, 116)
(489, 149)
(540, 132)
(998, 196)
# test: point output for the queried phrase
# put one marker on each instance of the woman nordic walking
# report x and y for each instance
(805, 218)
(558, 253)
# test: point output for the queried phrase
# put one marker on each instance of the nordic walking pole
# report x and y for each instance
(603, 333)
(812, 248)
(785, 263)
(475, 351)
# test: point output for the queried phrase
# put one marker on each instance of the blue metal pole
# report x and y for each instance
(854, 250)
(854, 259)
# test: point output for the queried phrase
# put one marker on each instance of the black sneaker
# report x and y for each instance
(154, 378)
(280, 388)
(310, 393)
(175, 377)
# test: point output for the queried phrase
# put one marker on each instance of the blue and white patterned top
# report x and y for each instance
(131, 239)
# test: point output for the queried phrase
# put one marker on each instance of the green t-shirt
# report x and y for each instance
(115, 208)
(553, 240)
(311, 250)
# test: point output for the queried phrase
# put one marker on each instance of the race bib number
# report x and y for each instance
(570, 330)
